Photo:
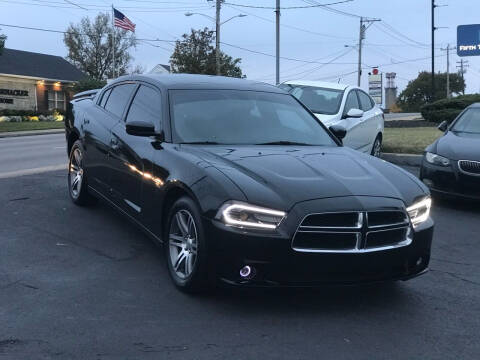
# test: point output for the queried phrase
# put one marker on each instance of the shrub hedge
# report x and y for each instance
(447, 109)
(11, 112)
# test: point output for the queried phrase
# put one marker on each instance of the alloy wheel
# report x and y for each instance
(183, 241)
(377, 148)
(76, 172)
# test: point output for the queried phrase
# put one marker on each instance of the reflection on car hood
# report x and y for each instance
(280, 176)
(327, 119)
(459, 146)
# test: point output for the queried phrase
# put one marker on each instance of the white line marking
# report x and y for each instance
(38, 170)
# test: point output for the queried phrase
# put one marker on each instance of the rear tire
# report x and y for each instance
(186, 247)
(377, 146)
(77, 180)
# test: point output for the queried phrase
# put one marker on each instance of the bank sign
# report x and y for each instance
(468, 40)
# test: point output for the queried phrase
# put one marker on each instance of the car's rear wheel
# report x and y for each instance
(77, 181)
(185, 246)
(377, 146)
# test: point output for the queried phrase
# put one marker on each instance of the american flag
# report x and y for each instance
(122, 21)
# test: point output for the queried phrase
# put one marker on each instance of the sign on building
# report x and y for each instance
(468, 40)
(375, 86)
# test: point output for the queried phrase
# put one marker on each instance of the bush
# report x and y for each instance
(447, 109)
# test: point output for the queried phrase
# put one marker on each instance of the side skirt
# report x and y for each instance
(133, 220)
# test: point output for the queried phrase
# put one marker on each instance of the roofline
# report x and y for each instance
(37, 78)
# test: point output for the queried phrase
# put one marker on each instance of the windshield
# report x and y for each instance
(318, 100)
(469, 122)
(243, 117)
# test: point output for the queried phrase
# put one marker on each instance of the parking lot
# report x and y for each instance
(82, 283)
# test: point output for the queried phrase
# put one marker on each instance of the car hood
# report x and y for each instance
(459, 146)
(281, 176)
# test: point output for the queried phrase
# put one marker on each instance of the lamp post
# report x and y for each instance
(217, 32)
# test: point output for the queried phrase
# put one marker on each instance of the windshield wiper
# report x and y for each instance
(283, 142)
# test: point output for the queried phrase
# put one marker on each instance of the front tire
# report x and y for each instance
(185, 246)
(77, 181)
(377, 146)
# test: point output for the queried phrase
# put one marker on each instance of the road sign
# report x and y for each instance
(375, 86)
(468, 40)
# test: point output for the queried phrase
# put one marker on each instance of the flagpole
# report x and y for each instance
(113, 40)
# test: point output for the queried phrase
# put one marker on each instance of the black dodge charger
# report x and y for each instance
(241, 183)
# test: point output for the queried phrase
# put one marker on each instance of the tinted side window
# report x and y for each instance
(351, 102)
(365, 101)
(105, 97)
(118, 98)
(145, 106)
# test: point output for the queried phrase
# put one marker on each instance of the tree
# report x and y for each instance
(88, 84)
(2, 42)
(89, 46)
(418, 91)
(195, 54)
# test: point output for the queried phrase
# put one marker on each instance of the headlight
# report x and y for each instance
(420, 211)
(436, 159)
(243, 215)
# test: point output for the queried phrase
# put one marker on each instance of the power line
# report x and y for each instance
(74, 32)
(336, 11)
(291, 26)
(281, 57)
(289, 7)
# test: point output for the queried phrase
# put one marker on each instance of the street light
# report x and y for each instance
(217, 31)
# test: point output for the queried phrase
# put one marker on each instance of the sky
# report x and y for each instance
(312, 40)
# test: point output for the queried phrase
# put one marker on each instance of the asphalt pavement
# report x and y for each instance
(32, 154)
(83, 283)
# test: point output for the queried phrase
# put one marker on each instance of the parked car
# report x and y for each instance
(451, 165)
(243, 184)
(345, 105)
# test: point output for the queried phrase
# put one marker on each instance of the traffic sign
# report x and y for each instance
(468, 40)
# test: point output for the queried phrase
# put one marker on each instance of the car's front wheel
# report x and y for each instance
(185, 246)
(377, 146)
(77, 181)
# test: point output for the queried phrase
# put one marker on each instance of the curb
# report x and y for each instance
(403, 159)
(31, 132)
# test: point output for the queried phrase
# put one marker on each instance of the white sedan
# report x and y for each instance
(345, 105)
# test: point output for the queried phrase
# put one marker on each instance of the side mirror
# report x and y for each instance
(140, 128)
(339, 131)
(443, 126)
(354, 113)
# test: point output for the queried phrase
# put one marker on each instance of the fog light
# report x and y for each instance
(247, 272)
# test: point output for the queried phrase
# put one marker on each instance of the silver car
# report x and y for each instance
(345, 105)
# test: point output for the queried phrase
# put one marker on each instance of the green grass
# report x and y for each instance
(30, 125)
(412, 140)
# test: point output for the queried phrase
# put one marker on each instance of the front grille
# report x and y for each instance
(357, 231)
(469, 167)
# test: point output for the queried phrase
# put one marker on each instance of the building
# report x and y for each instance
(33, 81)
(160, 69)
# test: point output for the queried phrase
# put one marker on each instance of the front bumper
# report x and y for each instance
(275, 263)
(449, 180)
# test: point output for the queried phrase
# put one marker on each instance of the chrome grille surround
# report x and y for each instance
(361, 231)
(469, 167)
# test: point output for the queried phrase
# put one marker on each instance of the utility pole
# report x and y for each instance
(432, 95)
(217, 36)
(463, 66)
(448, 68)
(277, 41)
(364, 25)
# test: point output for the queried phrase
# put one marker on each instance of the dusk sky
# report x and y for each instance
(308, 34)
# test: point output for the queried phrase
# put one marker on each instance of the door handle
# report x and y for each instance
(86, 121)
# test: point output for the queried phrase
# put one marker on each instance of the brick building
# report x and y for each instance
(33, 81)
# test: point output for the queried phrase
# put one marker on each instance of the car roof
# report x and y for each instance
(203, 82)
(322, 84)
(475, 105)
